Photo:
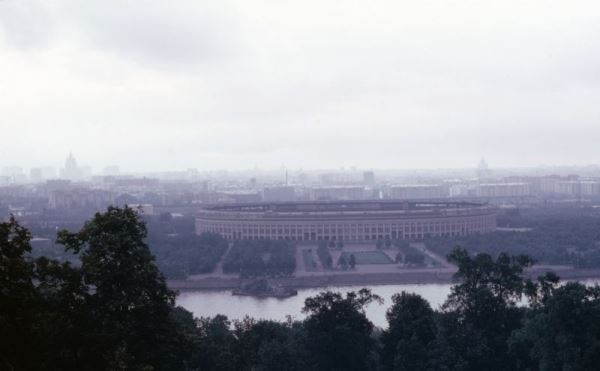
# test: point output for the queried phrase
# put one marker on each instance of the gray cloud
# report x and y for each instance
(25, 24)
(311, 84)
(155, 32)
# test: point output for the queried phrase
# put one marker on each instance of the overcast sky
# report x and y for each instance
(158, 85)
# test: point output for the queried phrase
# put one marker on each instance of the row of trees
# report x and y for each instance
(346, 261)
(324, 255)
(114, 312)
(261, 257)
(409, 254)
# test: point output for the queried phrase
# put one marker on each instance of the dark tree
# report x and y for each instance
(63, 320)
(411, 331)
(501, 278)
(414, 258)
(130, 303)
(343, 262)
(562, 332)
(338, 332)
(328, 261)
(42, 307)
(481, 311)
(352, 261)
(215, 346)
(268, 345)
(324, 255)
(18, 297)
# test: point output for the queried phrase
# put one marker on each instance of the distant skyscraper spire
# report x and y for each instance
(71, 171)
(70, 162)
(483, 171)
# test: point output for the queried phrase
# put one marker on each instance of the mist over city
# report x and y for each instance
(316, 185)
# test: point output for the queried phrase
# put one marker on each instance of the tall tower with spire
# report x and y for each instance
(71, 162)
(483, 171)
(71, 170)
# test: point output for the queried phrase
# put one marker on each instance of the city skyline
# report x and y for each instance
(117, 169)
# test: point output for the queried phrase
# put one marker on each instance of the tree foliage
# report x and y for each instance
(261, 257)
(338, 330)
(411, 331)
(556, 235)
(18, 297)
(481, 311)
(115, 312)
(130, 302)
(561, 333)
(179, 256)
(324, 255)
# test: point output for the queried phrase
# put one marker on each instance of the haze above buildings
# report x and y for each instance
(311, 84)
(76, 187)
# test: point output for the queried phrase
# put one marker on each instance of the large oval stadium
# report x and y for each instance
(352, 221)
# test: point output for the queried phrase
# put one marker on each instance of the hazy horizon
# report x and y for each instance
(543, 169)
(313, 84)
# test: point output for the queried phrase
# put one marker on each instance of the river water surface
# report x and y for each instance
(211, 303)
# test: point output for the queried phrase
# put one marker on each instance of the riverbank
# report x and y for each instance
(221, 283)
(417, 276)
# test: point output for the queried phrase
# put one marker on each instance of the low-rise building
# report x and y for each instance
(503, 190)
(341, 193)
(417, 191)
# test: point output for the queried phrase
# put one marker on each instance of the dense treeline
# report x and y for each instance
(543, 248)
(178, 250)
(408, 254)
(179, 256)
(252, 258)
(173, 241)
(556, 236)
(114, 312)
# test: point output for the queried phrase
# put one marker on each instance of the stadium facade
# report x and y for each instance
(351, 221)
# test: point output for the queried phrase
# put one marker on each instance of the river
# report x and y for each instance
(210, 303)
